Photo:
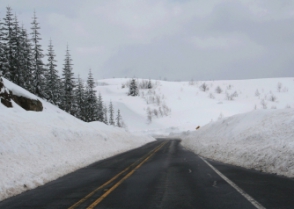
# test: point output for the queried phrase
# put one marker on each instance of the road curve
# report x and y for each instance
(161, 174)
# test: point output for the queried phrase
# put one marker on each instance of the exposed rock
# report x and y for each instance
(28, 104)
(4, 95)
(25, 103)
(6, 103)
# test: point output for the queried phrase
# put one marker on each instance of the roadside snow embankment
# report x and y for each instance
(38, 147)
(262, 140)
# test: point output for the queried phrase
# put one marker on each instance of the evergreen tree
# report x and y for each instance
(9, 48)
(38, 69)
(105, 118)
(91, 99)
(26, 60)
(68, 85)
(118, 119)
(16, 75)
(111, 112)
(133, 89)
(149, 86)
(60, 92)
(52, 88)
(80, 100)
(100, 113)
(3, 60)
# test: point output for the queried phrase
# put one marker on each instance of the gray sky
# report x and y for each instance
(173, 39)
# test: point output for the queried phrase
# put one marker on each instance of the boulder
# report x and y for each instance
(28, 104)
(4, 95)
(25, 103)
(6, 102)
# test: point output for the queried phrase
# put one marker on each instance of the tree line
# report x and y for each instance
(21, 61)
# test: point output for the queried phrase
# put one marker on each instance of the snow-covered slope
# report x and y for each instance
(263, 140)
(190, 106)
(37, 147)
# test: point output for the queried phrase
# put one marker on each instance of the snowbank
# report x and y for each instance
(37, 147)
(262, 140)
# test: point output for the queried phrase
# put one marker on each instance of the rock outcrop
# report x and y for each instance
(5, 95)
(28, 104)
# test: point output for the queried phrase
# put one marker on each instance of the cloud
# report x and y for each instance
(177, 58)
(90, 50)
(216, 39)
(216, 42)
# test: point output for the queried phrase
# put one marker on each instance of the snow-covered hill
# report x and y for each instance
(37, 147)
(190, 106)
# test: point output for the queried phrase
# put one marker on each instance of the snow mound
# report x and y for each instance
(38, 147)
(262, 140)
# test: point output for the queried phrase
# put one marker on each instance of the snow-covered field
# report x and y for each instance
(37, 147)
(190, 106)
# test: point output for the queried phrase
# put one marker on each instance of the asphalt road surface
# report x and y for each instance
(160, 174)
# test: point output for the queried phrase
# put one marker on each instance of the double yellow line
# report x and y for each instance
(97, 201)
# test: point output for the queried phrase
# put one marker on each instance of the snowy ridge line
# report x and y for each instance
(242, 192)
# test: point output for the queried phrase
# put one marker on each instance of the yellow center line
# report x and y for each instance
(93, 192)
(109, 181)
(94, 204)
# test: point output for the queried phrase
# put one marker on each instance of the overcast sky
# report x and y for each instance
(172, 39)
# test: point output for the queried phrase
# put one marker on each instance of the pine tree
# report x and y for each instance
(38, 69)
(80, 100)
(111, 112)
(133, 89)
(52, 88)
(60, 93)
(26, 60)
(100, 113)
(91, 99)
(149, 86)
(68, 85)
(3, 60)
(8, 38)
(118, 119)
(16, 76)
(105, 118)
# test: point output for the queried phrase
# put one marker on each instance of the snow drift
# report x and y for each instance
(262, 140)
(37, 147)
